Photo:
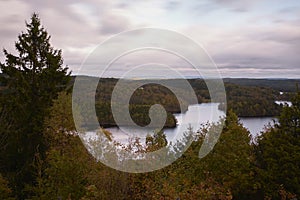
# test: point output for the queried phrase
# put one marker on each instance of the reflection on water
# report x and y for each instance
(284, 103)
(195, 116)
(256, 124)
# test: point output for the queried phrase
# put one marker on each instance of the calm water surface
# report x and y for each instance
(195, 116)
(256, 124)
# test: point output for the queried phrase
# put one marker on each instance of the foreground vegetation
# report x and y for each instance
(235, 169)
(42, 156)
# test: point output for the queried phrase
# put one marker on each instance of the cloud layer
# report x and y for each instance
(254, 39)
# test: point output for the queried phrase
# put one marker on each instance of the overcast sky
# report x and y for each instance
(258, 38)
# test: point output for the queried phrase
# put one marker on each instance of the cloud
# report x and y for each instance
(113, 24)
(212, 6)
(172, 5)
(239, 35)
(237, 6)
(251, 45)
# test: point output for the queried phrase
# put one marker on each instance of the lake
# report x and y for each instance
(256, 124)
(288, 103)
(195, 116)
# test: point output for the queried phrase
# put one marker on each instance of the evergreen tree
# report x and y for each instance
(289, 119)
(156, 142)
(230, 163)
(278, 155)
(5, 191)
(32, 79)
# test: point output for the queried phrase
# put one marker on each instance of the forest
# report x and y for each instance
(245, 100)
(43, 157)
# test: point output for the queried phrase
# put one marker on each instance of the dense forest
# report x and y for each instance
(244, 100)
(43, 157)
(283, 85)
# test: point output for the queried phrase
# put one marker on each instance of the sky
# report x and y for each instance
(250, 39)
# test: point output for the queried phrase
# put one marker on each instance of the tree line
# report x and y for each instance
(245, 100)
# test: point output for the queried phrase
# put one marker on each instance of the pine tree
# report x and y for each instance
(32, 79)
(5, 191)
(278, 155)
(289, 119)
(230, 162)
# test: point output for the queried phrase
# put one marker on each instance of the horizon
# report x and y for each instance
(188, 77)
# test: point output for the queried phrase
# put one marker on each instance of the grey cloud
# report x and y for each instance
(11, 19)
(272, 47)
(122, 5)
(9, 25)
(259, 66)
(278, 36)
(172, 5)
(289, 9)
(231, 5)
(235, 5)
(65, 27)
(240, 9)
(202, 8)
(112, 24)
(7, 33)
(262, 47)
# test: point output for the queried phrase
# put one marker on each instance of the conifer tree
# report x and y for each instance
(32, 79)
(278, 155)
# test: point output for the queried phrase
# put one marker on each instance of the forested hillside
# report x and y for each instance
(283, 85)
(246, 101)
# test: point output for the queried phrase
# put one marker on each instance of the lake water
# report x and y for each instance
(283, 103)
(195, 116)
(256, 124)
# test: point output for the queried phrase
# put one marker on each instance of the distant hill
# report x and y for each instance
(247, 97)
(284, 85)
